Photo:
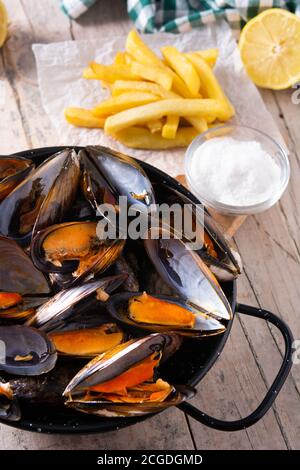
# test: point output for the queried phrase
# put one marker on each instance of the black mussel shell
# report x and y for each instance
(110, 409)
(13, 170)
(204, 325)
(112, 250)
(18, 273)
(25, 351)
(21, 208)
(224, 259)
(122, 176)
(100, 369)
(52, 314)
(186, 273)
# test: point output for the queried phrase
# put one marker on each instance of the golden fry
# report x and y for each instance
(83, 118)
(141, 138)
(142, 53)
(209, 55)
(198, 123)
(171, 107)
(211, 86)
(89, 74)
(111, 73)
(120, 58)
(125, 101)
(136, 47)
(153, 73)
(170, 128)
(183, 67)
(155, 126)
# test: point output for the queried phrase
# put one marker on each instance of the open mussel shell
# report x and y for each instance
(20, 308)
(110, 365)
(120, 175)
(18, 273)
(53, 313)
(217, 251)
(48, 184)
(80, 248)
(25, 351)
(105, 408)
(88, 341)
(118, 307)
(12, 171)
(62, 194)
(186, 273)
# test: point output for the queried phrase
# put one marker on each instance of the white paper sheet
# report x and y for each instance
(60, 66)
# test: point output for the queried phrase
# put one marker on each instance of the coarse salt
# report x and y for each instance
(238, 173)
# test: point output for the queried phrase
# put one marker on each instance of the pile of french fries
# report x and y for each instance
(156, 103)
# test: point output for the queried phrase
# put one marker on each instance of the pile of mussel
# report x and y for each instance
(80, 325)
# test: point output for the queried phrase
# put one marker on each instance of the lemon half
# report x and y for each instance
(270, 49)
(3, 23)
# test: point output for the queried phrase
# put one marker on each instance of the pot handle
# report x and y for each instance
(272, 393)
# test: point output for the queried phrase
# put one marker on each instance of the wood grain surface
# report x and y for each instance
(269, 244)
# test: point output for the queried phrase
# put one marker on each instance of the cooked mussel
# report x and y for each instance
(217, 251)
(25, 351)
(42, 198)
(162, 313)
(87, 342)
(110, 174)
(186, 273)
(123, 381)
(74, 247)
(52, 314)
(12, 171)
(13, 306)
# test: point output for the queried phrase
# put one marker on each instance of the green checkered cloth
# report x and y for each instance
(178, 16)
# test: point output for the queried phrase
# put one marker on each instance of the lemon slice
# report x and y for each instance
(270, 49)
(3, 23)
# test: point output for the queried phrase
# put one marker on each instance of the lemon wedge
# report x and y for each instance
(3, 23)
(269, 46)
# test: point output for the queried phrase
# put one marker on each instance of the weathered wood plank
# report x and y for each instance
(165, 431)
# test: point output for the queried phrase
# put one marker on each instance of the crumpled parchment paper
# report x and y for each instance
(60, 66)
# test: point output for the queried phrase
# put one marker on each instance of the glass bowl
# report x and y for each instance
(241, 133)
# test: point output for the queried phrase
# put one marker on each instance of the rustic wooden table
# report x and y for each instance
(269, 245)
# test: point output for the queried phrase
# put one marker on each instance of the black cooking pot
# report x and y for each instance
(190, 364)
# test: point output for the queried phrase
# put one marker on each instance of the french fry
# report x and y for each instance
(120, 58)
(89, 74)
(153, 73)
(142, 53)
(136, 47)
(125, 101)
(111, 73)
(121, 86)
(183, 67)
(198, 123)
(155, 126)
(83, 118)
(211, 86)
(209, 55)
(141, 138)
(171, 107)
(170, 128)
